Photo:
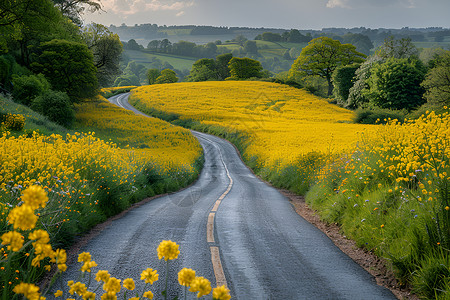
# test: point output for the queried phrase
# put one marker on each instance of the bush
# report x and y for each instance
(377, 115)
(343, 81)
(26, 88)
(56, 106)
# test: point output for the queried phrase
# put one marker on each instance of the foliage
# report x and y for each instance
(152, 75)
(26, 88)
(202, 70)
(342, 82)
(56, 106)
(244, 68)
(437, 81)
(378, 115)
(167, 76)
(106, 48)
(395, 84)
(323, 56)
(356, 97)
(9, 121)
(74, 9)
(69, 68)
(397, 48)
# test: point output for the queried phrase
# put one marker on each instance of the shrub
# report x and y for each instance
(26, 88)
(377, 115)
(12, 122)
(56, 106)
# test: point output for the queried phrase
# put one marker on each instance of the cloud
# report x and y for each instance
(130, 7)
(179, 14)
(337, 3)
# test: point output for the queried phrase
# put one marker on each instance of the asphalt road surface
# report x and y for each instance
(233, 229)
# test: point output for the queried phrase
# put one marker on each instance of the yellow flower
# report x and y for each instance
(88, 265)
(200, 285)
(58, 293)
(79, 288)
(221, 293)
(185, 276)
(447, 208)
(60, 259)
(35, 196)
(102, 275)
(84, 257)
(128, 284)
(134, 298)
(23, 217)
(13, 239)
(149, 275)
(168, 250)
(89, 296)
(39, 236)
(148, 295)
(112, 285)
(109, 296)
(29, 290)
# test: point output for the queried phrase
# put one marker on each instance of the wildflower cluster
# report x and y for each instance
(392, 195)
(9, 121)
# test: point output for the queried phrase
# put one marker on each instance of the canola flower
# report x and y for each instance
(281, 122)
(221, 293)
(168, 250)
(201, 285)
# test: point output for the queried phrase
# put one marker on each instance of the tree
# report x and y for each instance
(437, 81)
(244, 68)
(133, 45)
(395, 84)
(107, 49)
(343, 81)
(152, 75)
(362, 42)
(250, 47)
(401, 48)
(26, 88)
(240, 39)
(167, 76)
(202, 70)
(323, 56)
(153, 45)
(222, 62)
(69, 67)
(74, 9)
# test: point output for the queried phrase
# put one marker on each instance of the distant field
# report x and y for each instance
(282, 122)
(178, 62)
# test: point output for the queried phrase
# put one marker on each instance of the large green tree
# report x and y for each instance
(107, 49)
(222, 62)
(323, 56)
(152, 75)
(167, 76)
(395, 84)
(74, 9)
(244, 68)
(69, 67)
(202, 70)
(437, 82)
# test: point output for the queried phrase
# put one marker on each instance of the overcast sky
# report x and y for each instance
(300, 14)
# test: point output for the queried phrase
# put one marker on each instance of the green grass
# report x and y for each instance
(144, 58)
(34, 121)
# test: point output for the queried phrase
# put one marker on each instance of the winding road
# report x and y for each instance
(233, 229)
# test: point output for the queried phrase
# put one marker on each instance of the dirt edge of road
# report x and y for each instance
(376, 266)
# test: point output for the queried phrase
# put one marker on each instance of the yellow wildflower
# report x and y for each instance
(84, 257)
(129, 284)
(168, 250)
(23, 217)
(112, 285)
(13, 239)
(148, 295)
(39, 236)
(35, 196)
(89, 296)
(200, 285)
(185, 276)
(29, 290)
(102, 275)
(109, 296)
(58, 293)
(88, 265)
(221, 293)
(79, 288)
(149, 275)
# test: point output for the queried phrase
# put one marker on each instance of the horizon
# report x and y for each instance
(284, 14)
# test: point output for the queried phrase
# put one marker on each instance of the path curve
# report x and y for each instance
(229, 216)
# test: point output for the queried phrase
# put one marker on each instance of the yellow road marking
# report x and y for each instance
(217, 266)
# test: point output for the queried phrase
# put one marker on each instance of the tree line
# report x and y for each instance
(49, 61)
